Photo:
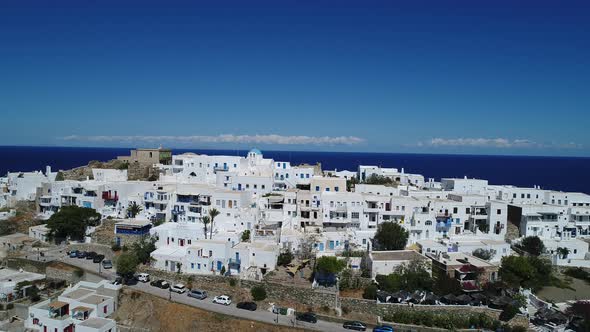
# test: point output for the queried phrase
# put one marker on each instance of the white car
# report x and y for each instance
(143, 277)
(178, 288)
(222, 299)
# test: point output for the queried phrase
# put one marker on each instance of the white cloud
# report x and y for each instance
(495, 143)
(227, 138)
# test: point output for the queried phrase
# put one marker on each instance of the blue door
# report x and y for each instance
(219, 265)
(237, 257)
(331, 244)
(321, 247)
(239, 186)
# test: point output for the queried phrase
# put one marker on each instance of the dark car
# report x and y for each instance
(160, 284)
(354, 325)
(73, 254)
(107, 264)
(81, 254)
(247, 306)
(383, 328)
(98, 258)
(307, 317)
(90, 255)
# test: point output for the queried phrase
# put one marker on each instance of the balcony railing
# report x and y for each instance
(109, 196)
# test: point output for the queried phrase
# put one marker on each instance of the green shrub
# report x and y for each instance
(370, 292)
(232, 282)
(116, 247)
(285, 258)
(258, 293)
(508, 313)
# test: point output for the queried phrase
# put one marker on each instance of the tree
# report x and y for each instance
(370, 292)
(206, 221)
(484, 254)
(329, 264)
(515, 270)
(390, 236)
(143, 249)
(59, 176)
(533, 245)
(71, 222)
(133, 210)
(285, 258)
(527, 272)
(212, 214)
(581, 309)
(258, 293)
(246, 236)
(410, 276)
(379, 179)
(127, 264)
(179, 267)
(509, 312)
(563, 252)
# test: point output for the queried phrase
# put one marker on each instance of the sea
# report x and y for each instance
(556, 173)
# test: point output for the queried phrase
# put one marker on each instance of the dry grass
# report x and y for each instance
(144, 311)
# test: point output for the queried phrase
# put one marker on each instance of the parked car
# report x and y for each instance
(118, 281)
(354, 325)
(198, 294)
(309, 317)
(81, 254)
(247, 306)
(160, 284)
(178, 288)
(98, 258)
(73, 254)
(383, 328)
(107, 264)
(143, 277)
(222, 299)
(90, 255)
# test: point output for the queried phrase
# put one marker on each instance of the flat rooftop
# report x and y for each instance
(133, 222)
(10, 275)
(78, 293)
(96, 322)
(94, 299)
(395, 255)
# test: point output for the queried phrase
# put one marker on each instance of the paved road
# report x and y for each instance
(207, 304)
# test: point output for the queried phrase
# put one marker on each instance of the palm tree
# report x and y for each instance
(563, 252)
(133, 210)
(206, 220)
(212, 214)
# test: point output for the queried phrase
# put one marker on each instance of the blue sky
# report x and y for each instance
(491, 77)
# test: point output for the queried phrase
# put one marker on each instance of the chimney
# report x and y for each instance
(47, 170)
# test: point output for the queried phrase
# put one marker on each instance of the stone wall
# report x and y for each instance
(302, 298)
(27, 265)
(62, 271)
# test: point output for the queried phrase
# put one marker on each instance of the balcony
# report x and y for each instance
(108, 196)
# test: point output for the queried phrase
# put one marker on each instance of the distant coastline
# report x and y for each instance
(558, 173)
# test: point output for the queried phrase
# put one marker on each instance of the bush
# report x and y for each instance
(79, 272)
(222, 270)
(258, 293)
(508, 313)
(116, 247)
(285, 258)
(370, 292)
(232, 282)
(246, 236)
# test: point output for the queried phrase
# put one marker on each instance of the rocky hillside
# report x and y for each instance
(83, 172)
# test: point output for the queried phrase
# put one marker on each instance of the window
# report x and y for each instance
(513, 195)
(317, 188)
(499, 211)
(192, 265)
(528, 195)
(307, 176)
(336, 188)
(428, 223)
(455, 210)
(263, 186)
